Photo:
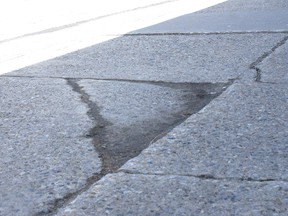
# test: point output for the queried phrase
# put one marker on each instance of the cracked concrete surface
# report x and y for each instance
(137, 194)
(43, 147)
(262, 58)
(219, 161)
(226, 139)
(274, 68)
(226, 159)
(230, 158)
(184, 159)
(133, 114)
(186, 58)
(49, 124)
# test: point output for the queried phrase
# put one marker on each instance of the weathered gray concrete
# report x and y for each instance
(130, 115)
(242, 134)
(274, 68)
(40, 35)
(230, 158)
(192, 58)
(44, 154)
(230, 21)
(229, 16)
(247, 5)
(130, 194)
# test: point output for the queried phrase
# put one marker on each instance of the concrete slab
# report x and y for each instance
(130, 194)
(229, 16)
(76, 25)
(247, 5)
(133, 114)
(228, 159)
(44, 154)
(188, 58)
(235, 21)
(274, 68)
(242, 134)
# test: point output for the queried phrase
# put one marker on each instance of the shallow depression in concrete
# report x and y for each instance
(130, 115)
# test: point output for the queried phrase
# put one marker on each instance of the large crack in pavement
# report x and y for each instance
(117, 147)
(123, 180)
(98, 130)
(117, 143)
(254, 65)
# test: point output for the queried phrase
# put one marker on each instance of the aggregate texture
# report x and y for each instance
(178, 58)
(130, 194)
(274, 69)
(44, 155)
(134, 114)
(242, 134)
(67, 122)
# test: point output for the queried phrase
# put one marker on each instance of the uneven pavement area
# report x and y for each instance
(133, 114)
(234, 149)
(175, 123)
(228, 159)
(60, 136)
(226, 140)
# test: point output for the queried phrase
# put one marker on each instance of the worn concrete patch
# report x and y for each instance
(130, 115)
(186, 58)
(126, 194)
(241, 134)
(44, 155)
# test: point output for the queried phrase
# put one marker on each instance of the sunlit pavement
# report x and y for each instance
(35, 31)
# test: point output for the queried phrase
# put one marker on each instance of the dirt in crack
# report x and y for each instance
(253, 66)
(129, 115)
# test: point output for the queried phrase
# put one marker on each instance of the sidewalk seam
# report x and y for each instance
(152, 82)
(205, 177)
(254, 65)
(199, 33)
(95, 132)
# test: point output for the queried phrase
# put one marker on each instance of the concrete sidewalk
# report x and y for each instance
(67, 122)
(33, 31)
(228, 159)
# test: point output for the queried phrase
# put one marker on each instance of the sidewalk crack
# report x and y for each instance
(113, 158)
(199, 33)
(254, 65)
(96, 133)
(205, 176)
